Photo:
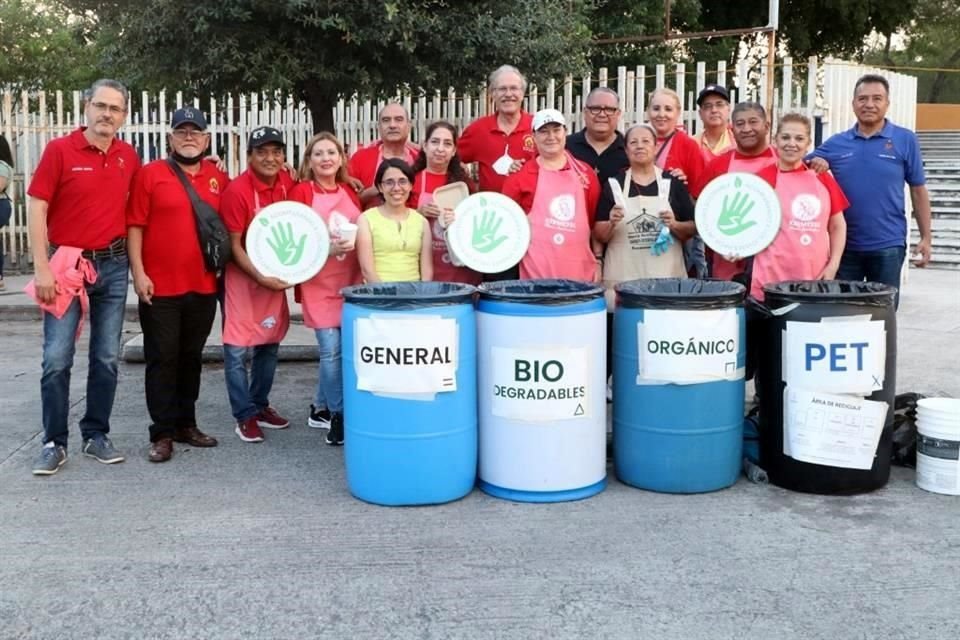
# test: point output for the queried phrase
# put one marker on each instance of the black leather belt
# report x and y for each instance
(113, 250)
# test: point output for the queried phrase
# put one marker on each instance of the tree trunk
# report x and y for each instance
(321, 104)
(941, 78)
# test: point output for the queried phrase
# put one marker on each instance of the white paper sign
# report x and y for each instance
(833, 430)
(540, 384)
(406, 354)
(836, 357)
(688, 346)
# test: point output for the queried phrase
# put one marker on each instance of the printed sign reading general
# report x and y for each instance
(688, 347)
(835, 357)
(538, 384)
(415, 354)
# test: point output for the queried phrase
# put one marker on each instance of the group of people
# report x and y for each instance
(602, 207)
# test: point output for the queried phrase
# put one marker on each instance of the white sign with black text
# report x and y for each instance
(540, 384)
(406, 354)
(688, 347)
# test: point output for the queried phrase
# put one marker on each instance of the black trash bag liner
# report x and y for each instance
(904, 452)
(873, 294)
(408, 295)
(548, 292)
(679, 293)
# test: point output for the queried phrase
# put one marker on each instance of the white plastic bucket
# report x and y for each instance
(938, 445)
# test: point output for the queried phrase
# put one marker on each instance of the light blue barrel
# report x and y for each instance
(410, 392)
(679, 353)
(542, 404)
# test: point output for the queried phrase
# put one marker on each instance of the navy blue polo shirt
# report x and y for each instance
(871, 171)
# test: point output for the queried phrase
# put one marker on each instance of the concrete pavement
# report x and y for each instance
(264, 541)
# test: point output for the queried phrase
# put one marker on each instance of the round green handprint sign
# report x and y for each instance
(490, 233)
(288, 240)
(738, 214)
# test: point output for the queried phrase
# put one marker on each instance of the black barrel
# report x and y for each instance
(811, 302)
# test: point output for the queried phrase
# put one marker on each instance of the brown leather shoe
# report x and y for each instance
(194, 437)
(161, 450)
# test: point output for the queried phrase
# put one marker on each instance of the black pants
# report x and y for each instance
(175, 328)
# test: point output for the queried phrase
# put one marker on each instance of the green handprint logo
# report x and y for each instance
(731, 221)
(287, 250)
(485, 228)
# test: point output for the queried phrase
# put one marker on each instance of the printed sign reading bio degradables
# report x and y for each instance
(539, 385)
(415, 354)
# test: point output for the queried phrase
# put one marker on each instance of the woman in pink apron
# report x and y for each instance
(438, 165)
(812, 229)
(559, 194)
(325, 187)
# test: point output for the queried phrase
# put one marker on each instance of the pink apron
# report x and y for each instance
(253, 315)
(559, 228)
(724, 269)
(321, 301)
(443, 267)
(801, 249)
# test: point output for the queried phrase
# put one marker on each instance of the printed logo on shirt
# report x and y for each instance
(528, 143)
(269, 322)
(214, 186)
(559, 238)
(806, 207)
(563, 207)
(81, 169)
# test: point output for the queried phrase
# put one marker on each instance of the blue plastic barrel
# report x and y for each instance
(542, 400)
(679, 354)
(410, 392)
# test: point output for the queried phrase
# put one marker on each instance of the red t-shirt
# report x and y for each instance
(521, 186)
(484, 143)
(303, 192)
(721, 166)
(239, 203)
(171, 249)
(684, 154)
(365, 161)
(86, 190)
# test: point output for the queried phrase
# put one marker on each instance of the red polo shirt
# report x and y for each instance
(238, 205)
(366, 160)
(684, 154)
(171, 248)
(86, 190)
(521, 186)
(721, 166)
(484, 143)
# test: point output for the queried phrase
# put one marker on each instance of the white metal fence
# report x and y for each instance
(814, 87)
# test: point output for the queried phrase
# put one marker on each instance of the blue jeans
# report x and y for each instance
(329, 393)
(695, 257)
(882, 265)
(249, 396)
(108, 299)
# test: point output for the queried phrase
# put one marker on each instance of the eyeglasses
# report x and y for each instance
(400, 182)
(183, 134)
(709, 106)
(112, 108)
(597, 110)
(510, 89)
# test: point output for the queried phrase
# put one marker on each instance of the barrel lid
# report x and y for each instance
(830, 291)
(407, 294)
(543, 291)
(680, 293)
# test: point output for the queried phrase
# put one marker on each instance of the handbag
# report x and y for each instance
(211, 232)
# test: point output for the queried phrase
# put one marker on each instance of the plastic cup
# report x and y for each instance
(348, 231)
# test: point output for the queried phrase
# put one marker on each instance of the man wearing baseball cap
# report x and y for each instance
(714, 137)
(559, 194)
(255, 304)
(178, 296)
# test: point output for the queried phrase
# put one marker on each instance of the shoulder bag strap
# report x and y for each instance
(191, 192)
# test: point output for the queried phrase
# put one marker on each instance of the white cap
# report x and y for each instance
(547, 116)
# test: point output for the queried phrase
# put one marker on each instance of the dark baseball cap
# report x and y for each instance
(715, 89)
(265, 135)
(188, 115)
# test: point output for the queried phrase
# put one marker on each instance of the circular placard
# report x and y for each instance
(490, 233)
(738, 214)
(288, 240)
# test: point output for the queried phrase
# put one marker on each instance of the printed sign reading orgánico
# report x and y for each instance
(406, 354)
(288, 240)
(539, 384)
(738, 214)
(490, 233)
(689, 346)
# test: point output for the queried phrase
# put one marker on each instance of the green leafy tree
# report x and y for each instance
(43, 45)
(323, 50)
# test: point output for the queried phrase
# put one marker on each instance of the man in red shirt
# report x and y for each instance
(498, 141)
(255, 313)
(393, 122)
(178, 296)
(77, 199)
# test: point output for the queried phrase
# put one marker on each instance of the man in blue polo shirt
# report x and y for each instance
(871, 161)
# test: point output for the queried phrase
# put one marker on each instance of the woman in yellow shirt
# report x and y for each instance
(394, 241)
